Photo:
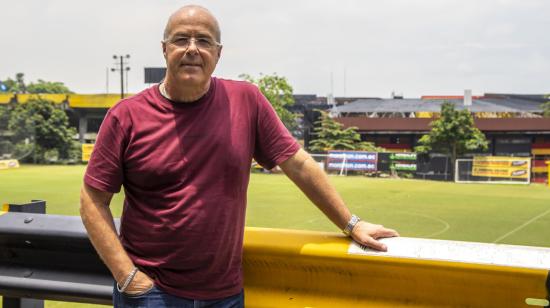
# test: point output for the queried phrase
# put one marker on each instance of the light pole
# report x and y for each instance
(120, 66)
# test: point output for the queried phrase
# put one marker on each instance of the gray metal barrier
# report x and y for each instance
(48, 257)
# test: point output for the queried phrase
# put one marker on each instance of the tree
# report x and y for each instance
(42, 124)
(278, 92)
(20, 82)
(546, 108)
(6, 146)
(332, 136)
(15, 86)
(454, 133)
(4, 116)
(42, 86)
(18, 85)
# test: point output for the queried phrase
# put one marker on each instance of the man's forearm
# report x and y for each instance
(314, 183)
(99, 223)
(306, 174)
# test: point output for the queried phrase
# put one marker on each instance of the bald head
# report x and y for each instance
(191, 11)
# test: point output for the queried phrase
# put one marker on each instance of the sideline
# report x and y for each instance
(525, 224)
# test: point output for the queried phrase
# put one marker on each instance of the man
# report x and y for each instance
(182, 151)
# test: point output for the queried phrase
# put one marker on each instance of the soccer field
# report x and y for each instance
(511, 214)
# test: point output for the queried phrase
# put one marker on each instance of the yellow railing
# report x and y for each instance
(93, 100)
(102, 101)
(5, 208)
(55, 98)
(6, 98)
(310, 269)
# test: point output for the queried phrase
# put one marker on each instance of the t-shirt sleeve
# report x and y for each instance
(105, 168)
(274, 143)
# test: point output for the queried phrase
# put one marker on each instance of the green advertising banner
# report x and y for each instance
(404, 167)
(403, 156)
(403, 161)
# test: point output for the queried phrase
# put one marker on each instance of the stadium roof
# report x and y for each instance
(483, 104)
(522, 125)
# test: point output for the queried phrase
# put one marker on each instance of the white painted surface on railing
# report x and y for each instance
(456, 251)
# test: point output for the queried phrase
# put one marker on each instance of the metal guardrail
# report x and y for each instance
(50, 257)
(312, 269)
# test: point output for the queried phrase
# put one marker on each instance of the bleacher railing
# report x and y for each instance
(50, 257)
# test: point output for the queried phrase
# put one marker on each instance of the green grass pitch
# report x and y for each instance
(508, 214)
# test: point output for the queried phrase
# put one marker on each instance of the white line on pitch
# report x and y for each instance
(521, 227)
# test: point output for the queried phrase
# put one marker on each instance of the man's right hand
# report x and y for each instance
(140, 283)
(368, 234)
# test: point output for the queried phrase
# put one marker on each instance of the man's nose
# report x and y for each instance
(193, 48)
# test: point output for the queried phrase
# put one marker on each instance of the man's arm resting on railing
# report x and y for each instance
(302, 169)
(98, 221)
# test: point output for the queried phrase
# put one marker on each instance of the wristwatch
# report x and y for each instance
(351, 224)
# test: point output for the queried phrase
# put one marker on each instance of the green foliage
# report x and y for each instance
(332, 136)
(22, 151)
(42, 86)
(75, 152)
(278, 92)
(18, 85)
(6, 147)
(454, 133)
(546, 108)
(4, 117)
(41, 124)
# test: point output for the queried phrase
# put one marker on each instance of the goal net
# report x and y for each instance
(493, 170)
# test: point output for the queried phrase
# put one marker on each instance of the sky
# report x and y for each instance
(348, 48)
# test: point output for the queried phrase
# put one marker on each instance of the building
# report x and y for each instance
(513, 124)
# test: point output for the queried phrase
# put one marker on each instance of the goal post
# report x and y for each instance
(493, 170)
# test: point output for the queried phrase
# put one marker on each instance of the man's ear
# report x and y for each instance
(164, 49)
(219, 54)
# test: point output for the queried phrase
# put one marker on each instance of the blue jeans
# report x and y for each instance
(156, 298)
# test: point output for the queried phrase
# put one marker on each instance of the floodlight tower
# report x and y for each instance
(122, 67)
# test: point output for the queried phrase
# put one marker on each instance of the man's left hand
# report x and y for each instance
(367, 234)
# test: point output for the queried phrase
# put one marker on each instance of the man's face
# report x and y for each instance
(191, 49)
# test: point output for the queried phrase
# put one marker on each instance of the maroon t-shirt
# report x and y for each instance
(185, 169)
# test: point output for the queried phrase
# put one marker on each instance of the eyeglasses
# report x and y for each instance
(201, 42)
